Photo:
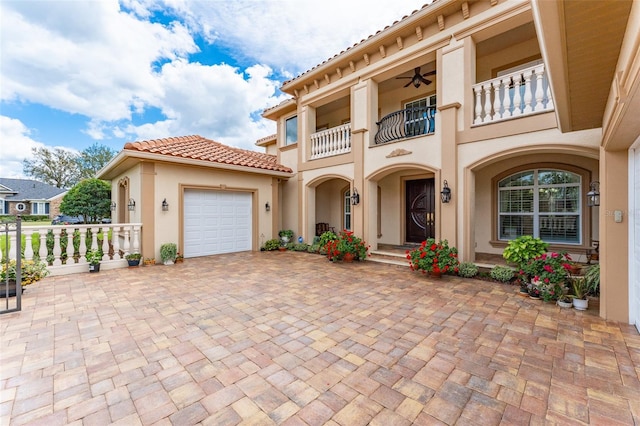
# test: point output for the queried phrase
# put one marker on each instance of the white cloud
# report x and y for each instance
(101, 61)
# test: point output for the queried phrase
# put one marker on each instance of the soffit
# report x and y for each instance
(594, 31)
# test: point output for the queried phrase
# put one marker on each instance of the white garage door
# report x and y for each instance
(216, 222)
(634, 261)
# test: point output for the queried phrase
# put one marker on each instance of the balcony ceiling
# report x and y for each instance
(583, 39)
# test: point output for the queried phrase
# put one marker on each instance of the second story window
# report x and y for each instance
(419, 116)
(291, 131)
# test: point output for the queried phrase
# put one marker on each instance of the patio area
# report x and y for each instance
(289, 338)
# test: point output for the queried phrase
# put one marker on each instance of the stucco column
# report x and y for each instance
(614, 236)
(147, 206)
(449, 173)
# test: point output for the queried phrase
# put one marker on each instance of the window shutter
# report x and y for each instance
(46, 208)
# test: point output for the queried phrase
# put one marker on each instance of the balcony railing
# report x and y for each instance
(518, 94)
(63, 247)
(333, 141)
(406, 123)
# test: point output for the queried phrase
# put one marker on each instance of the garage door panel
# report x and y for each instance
(217, 222)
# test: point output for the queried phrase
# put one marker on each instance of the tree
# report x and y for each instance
(90, 198)
(62, 168)
(94, 158)
(57, 167)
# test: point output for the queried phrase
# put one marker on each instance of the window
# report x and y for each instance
(420, 116)
(39, 208)
(2, 203)
(543, 203)
(346, 219)
(291, 131)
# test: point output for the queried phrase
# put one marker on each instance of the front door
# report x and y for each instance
(420, 210)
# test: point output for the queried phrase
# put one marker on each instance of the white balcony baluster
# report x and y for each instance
(333, 141)
(517, 94)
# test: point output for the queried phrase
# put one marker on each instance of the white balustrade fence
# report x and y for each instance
(115, 241)
(517, 94)
(333, 141)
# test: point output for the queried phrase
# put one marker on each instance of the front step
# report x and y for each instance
(388, 257)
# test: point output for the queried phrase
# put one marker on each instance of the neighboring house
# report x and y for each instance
(518, 107)
(206, 197)
(29, 197)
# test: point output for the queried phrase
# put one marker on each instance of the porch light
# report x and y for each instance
(267, 207)
(113, 206)
(165, 205)
(131, 204)
(593, 196)
(445, 195)
(355, 197)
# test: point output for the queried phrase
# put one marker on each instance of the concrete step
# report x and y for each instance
(388, 257)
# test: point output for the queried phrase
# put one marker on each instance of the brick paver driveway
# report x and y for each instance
(289, 338)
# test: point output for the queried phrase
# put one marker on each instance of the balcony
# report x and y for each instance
(329, 142)
(405, 124)
(521, 93)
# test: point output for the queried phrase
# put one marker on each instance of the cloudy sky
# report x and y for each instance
(77, 72)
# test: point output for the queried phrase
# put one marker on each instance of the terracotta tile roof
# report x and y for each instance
(198, 148)
(358, 43)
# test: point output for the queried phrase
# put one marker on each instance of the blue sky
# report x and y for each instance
(77, 72)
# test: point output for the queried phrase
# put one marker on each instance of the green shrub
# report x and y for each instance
(314, 248)
(519, 251)
(467, 270)
(301, 247)
(168, 252)
(290, 246)
(272, 244)
(503, 274)
(592, 280)
(326, 237)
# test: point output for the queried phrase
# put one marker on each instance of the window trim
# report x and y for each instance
(585, 219)
(286, 120)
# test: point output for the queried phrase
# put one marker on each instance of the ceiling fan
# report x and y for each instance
(418, 78)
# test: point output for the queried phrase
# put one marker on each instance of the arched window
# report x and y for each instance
(346, 218)
(544, 203)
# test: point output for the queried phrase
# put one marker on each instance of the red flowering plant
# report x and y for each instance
(433, 256)
(345, 243)
(549, 273)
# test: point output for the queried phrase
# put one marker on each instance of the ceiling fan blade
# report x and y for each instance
(424, 80)
(429, 73)
(408, 84)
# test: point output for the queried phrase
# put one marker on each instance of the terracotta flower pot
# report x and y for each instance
(348, 257)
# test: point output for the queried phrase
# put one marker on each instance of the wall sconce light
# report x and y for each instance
(165, 205)
(593, 196)
(131, 204)
(267, 207)
(355, 197)
(445, 195)
(113, 206)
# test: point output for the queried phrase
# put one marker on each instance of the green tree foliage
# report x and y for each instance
(57, 167)
(90, 198)
(62, 168)
(94, 158)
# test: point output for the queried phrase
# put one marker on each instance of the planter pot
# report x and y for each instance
(133, 262)
(581, 304)
(348, 257)
(11, 292)
(94, 267)
(575, 270)
(168, 262)
(435, 274)
(282, 248)
(564, 304)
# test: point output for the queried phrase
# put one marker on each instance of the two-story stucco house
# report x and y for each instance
(515, 108)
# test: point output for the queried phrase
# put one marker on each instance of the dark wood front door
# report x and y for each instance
(420, 210)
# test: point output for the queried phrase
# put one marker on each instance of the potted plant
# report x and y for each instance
(549, 273)
(580, 290)
(565, 301)
(30, 272)
(592, 280)
(522, 249)
(149, 261)
(286, 235)
(94, 257)
(434, 257)
(133, 259)
(346, 247)
(168, 253)
(179, 258)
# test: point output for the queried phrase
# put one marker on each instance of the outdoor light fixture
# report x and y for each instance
(593, 196)
(131, 205)
(113, 206)
(267, 207)
(355, 197)
(165, 205)
(445, 195)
